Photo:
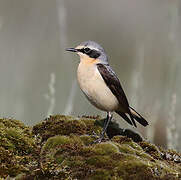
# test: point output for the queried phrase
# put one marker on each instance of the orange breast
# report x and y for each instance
(87, 60)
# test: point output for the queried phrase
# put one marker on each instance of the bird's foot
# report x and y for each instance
(99, 140)
(94, 135)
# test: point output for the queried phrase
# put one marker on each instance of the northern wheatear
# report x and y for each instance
(101, 86)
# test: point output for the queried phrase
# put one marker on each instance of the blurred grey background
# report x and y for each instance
(143, 42)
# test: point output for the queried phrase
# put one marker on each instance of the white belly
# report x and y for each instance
(95, 89)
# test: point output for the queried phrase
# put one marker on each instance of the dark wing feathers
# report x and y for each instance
(113, 83)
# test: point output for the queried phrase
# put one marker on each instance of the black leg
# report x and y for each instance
(106, 123)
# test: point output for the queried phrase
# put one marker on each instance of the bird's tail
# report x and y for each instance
(138, 117)
(134, 116)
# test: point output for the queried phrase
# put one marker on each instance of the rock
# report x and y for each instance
(60, 147)
(18, 148)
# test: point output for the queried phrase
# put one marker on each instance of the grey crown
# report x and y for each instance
(92, 44)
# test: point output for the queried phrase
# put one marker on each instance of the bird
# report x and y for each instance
(101, 86)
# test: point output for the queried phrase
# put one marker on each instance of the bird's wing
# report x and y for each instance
(114, 85)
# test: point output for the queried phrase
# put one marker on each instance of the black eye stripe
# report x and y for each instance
(80, 50)
(91, 53)
(87, 50)
(94, 54)
(84, 50)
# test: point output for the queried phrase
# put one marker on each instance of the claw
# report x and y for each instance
(99, 140)
(106, 123)
(94, 134)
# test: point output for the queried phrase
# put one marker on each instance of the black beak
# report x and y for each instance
(71, 49)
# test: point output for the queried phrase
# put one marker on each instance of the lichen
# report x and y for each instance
(61, 147)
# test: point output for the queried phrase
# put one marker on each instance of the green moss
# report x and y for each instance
(56, 141)
(98, 161)
(86, 139)
(61, 148)
(65, 125)
(106, 148)
(102, 174)
(127, 160)
(151, 149)
(135, 169)
(17, 147)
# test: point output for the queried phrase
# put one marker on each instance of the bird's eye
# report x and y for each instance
(87, 50)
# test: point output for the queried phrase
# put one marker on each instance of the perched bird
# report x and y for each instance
(101, 86)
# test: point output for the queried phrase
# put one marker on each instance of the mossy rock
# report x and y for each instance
(61, 147)
(66, 125)
(70, 157)
(17, 147)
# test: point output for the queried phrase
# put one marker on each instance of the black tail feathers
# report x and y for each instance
(138, 117)
(134, 116)
(125, 117)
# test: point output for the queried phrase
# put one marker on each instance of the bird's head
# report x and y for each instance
(90, 51)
